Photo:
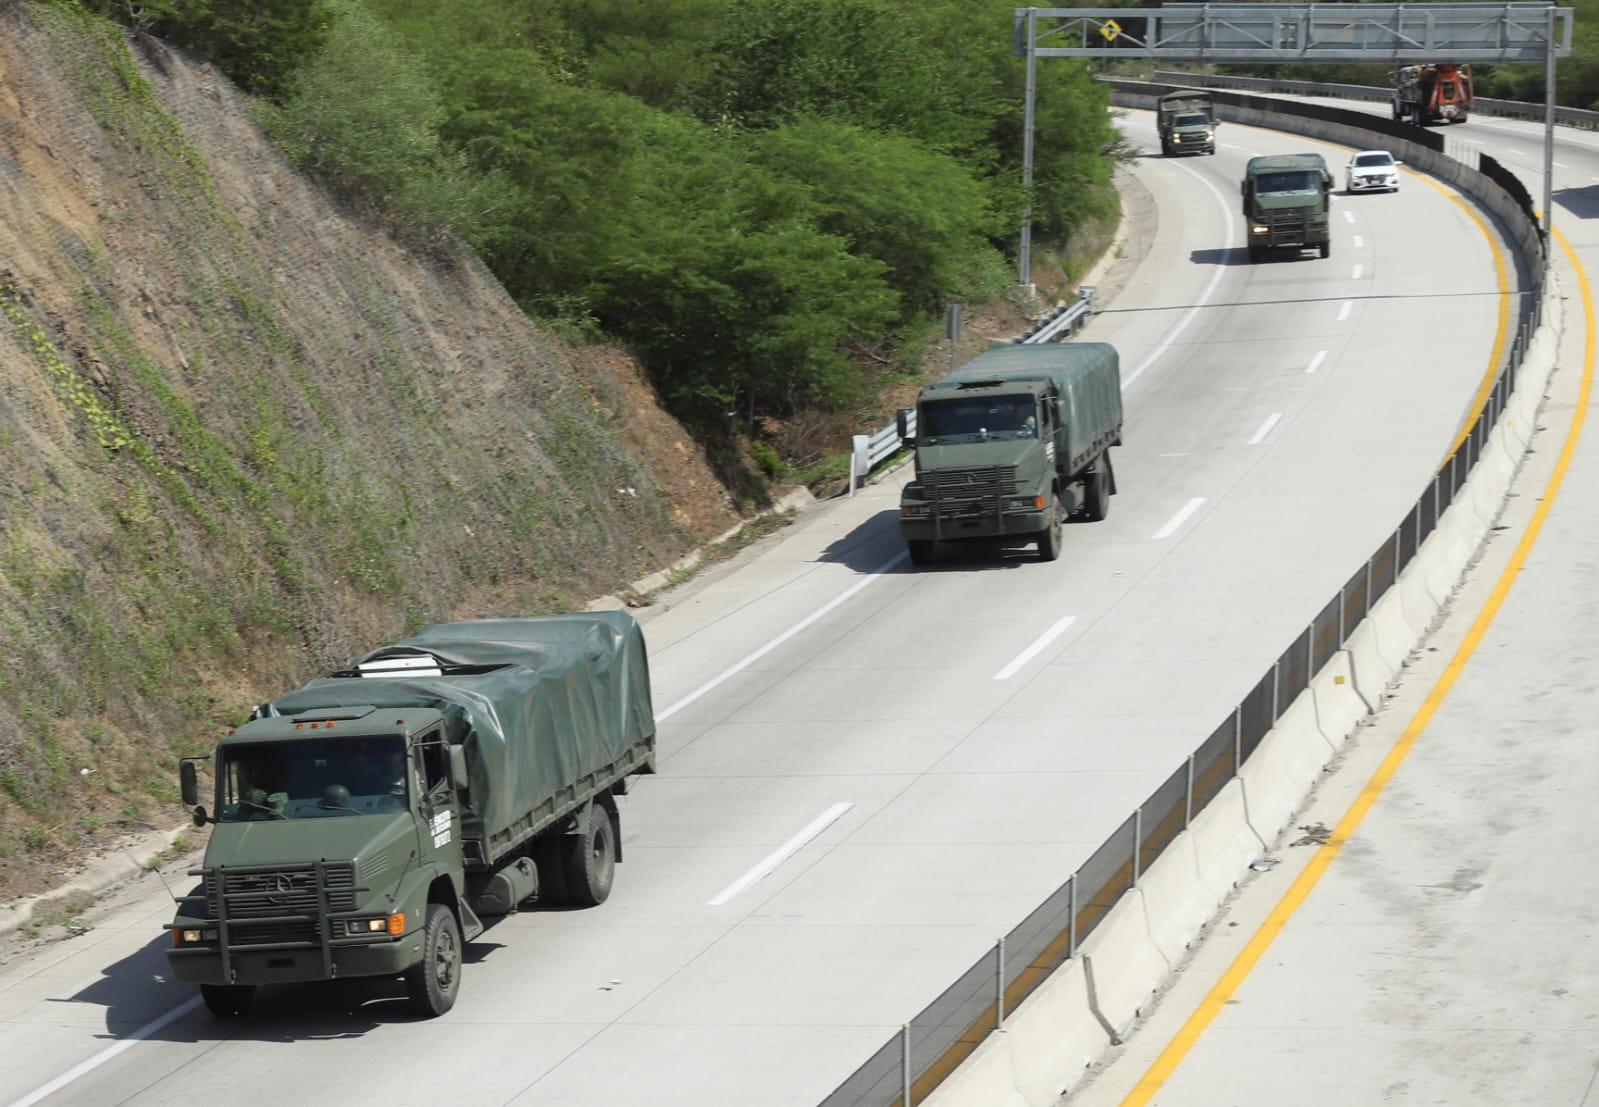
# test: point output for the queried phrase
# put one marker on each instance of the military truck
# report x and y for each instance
(1186, 120)
(1013, 443)
(365, 824)
(1286, 203)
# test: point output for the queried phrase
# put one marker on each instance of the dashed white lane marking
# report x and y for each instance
(1033, 650)
(1179, 519)
(1315, 362)
(1359, 242)
(750, 659)
(1265, 428)
(107, 1054)
(1349, 217)
(782, 853)
(1355, 275)
(1344, 309)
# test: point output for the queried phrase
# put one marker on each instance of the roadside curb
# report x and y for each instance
(122, 863)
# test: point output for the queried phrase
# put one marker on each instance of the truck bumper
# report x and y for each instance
(973, 526)
(200, 965)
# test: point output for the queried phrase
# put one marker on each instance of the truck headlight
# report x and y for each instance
(360, 928)
(1025, 503)
(193, 937)
(1258, 230)
(913, 511)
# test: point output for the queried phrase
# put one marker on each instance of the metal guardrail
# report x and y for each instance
(1484, 105)
(868, 451)
(907, 1067)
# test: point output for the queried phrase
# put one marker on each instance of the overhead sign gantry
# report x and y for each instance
(1288, 33)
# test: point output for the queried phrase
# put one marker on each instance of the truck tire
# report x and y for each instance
(549, 854)
(227, 1001)
(591, 860)
(432, 983)
(1049, 540)
(1255, 254)
(921, 550)
(1096, 489)
(1325, 249)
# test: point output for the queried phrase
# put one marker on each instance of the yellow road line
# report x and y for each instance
(1183, 1041)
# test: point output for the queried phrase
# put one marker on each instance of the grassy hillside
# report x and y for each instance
(244, 435)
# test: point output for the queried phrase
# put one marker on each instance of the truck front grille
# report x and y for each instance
(969, 491)
(261, 934)
(290, 890)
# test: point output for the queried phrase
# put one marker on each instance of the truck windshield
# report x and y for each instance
(1293, 180)
(1191, 120)
(979, 417)
(313, 778)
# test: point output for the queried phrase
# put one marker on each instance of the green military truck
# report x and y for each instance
(365, 823)
(1186, 120)
(1287, 198)
(1013, 443)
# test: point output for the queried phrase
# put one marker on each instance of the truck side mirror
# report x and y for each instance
(458, 775)
(902, 423)
(188, 783)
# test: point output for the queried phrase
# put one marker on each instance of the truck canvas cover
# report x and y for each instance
(1086, 374)
(1188, 99)
(539, 704)
(1271, 163)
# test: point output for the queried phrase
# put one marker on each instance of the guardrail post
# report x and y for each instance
(1138, 843)
(1071, 926)
(1276, 679)
(905, 1064)
(999, 984)
(1238, 739)
(1188, 795)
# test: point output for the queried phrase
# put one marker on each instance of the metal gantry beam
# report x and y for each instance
(1300, 32)
(1247, 32)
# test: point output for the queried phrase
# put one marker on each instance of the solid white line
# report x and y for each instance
(782, 853)
(1359, 242)
(1561, 165)
(1179, 519)
(1344, 309)
(738, 667)
(1355, 276)
(1204, 297)
(1315, 362)
(107, 1054)
(1265, 428)
(1518, 153)
(1032, 651)
(1349, 217)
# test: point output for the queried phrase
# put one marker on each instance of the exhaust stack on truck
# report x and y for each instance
(1013, 444)
(365, 823)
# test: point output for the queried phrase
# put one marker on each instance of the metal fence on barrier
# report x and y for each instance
(908, 1066)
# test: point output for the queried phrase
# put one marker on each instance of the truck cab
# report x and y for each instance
(1286, 202)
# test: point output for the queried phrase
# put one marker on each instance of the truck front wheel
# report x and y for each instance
(433, 982)
(591, 862)
(1096, 490)
(227, 1001)
(1049, 538)
(1325, 249)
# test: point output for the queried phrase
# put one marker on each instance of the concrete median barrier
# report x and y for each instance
(1122, 963)
(1373, 675)
(1339, 706)
(1391, 630)
(1283, 767)
(1224, 842)
(1177, 902)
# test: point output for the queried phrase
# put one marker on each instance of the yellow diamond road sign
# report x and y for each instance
(1110, 30)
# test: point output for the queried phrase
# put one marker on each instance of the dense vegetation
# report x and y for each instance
(747, 192)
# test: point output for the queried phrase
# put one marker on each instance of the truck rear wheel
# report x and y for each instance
(591, 860)
(433, 982)
(1325, 249)
(921, 550)
(227, 1001)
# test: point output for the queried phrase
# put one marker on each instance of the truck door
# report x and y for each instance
(440, 829)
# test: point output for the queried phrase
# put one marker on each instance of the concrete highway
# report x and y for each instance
(870, 773)
(1448, 954)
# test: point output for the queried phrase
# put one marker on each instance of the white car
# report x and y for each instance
(1371, 170)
